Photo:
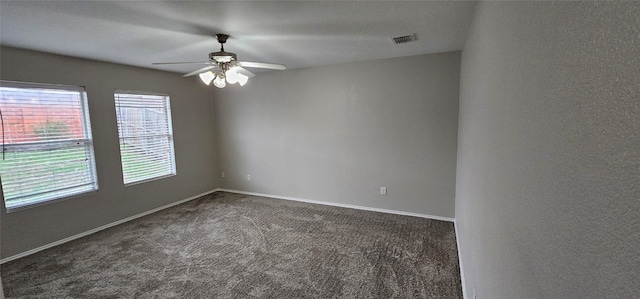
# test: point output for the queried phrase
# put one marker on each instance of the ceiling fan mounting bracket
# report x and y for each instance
(222, 38)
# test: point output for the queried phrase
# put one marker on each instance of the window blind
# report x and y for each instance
(146, 137)
(46, 142)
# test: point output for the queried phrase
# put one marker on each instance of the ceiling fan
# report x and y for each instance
(224, 67)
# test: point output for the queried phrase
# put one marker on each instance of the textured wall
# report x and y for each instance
(548, 178)
(194, 147)
(338, 133)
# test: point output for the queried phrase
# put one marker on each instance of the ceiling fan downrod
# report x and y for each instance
(222, 38)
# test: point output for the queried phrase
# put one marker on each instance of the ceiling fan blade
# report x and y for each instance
(185, 62)
(262, 65)
(202, 70)
(243, 71)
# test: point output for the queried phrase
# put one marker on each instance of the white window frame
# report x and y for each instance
(169, 163)
(56, 193)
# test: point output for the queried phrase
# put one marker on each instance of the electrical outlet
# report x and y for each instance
(383, 190)
(248, 177)
(223, 174)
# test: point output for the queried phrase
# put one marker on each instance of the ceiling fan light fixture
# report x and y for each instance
(242, 79)
(219, 81)
(232, 76)
(207, 77)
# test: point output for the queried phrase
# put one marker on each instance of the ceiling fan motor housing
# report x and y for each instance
(222, 56)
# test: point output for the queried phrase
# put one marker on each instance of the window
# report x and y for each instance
(146, 138)
(46, 143)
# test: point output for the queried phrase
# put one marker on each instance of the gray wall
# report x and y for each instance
(338, 133)
(548, 179)
(194, 147)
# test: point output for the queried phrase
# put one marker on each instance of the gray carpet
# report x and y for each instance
(227, 245)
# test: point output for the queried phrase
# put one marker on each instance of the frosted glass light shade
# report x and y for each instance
(219, 82)
(242, 79)
(207, 77)
(232, 76)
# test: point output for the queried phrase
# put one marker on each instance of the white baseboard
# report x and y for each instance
(340, 205)
(464, 289)
(97, 229)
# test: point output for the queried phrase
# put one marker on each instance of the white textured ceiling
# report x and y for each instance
(295, 33)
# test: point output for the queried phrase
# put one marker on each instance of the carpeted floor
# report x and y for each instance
(227, 245)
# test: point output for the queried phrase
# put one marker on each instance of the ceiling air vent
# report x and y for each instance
(404, 39)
